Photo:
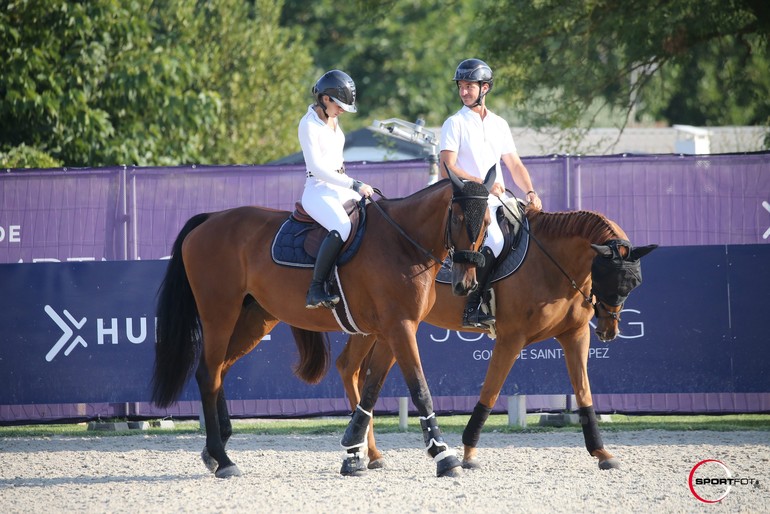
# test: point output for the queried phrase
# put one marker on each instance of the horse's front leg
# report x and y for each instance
(407, 355)
(352, 365)
(506, 351)
(576, 346)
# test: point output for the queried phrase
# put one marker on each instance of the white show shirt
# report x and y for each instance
(479, 144)
(326, 189)
(322, 148)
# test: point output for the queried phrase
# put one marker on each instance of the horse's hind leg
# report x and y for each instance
(225, 431)
(576, 345)
(352, 364)
(252, 324)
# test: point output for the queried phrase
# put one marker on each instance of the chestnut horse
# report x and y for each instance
(576, 253)
(222, 293)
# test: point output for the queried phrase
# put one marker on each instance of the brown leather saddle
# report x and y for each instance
(316, 233)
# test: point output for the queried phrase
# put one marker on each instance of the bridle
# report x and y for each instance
(471, 256)
(598, 304)
(459, 256)
(592, 299)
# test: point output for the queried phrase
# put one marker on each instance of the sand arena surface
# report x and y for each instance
(549, 472)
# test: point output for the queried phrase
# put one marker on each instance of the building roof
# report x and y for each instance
(366, 145)
(633, 140)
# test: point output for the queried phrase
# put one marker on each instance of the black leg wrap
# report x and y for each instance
(355, 434)
(354, 442)
(472, 430)
(430, 430)
(590, 428)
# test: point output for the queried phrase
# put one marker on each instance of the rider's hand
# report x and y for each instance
(533, 202)
(497, 189)
(365, 190)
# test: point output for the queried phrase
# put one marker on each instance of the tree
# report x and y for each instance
(259, 69)
(402, 54)
(701, 62)
(147, 82)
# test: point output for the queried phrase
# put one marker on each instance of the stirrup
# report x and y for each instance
(320, 298)
(329, 302)
(477, 318)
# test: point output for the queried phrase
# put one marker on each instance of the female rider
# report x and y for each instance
(327, 186)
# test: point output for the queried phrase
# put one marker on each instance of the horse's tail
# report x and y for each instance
(314, 355)
(177, 333)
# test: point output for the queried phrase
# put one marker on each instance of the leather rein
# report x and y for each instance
(597, 303)
(448, 242)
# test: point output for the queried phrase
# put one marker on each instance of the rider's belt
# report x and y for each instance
(341, 171)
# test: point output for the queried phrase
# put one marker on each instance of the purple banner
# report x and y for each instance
(135, 213)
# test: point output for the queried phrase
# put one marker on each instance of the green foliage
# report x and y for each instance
(24, 156)
(260, 71)
(401, 53)
(109, 82)
(168, 82)
(700, 62)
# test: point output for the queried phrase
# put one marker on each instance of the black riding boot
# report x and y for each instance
(327, 256)
(474, 316)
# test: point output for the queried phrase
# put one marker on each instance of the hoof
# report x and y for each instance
(471, 464)
(227, 472)
(449, 467)
(353, 466)
(612, 463)
(208, 460)
(376, 464)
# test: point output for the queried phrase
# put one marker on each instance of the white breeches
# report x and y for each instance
(323, 201)
(494, 235)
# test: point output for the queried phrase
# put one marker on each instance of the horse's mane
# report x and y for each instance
(589, 225)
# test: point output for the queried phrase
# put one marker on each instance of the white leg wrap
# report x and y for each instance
(361, 453)
(446, 452)
(443, 455)
(358, 407)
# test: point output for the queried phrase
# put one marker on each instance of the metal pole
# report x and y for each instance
(403, 413)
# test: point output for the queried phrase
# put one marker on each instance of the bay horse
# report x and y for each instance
(577, 253)
(223, 292)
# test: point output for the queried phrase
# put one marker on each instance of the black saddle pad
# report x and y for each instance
(288, 248)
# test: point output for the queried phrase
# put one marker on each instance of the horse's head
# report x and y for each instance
(615, 272)
(467, 225)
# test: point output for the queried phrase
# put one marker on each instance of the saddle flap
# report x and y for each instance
(291, 247)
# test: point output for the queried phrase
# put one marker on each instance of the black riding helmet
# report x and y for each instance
(475, 70)
(340, 88)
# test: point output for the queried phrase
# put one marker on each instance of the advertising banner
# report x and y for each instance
(82, 332)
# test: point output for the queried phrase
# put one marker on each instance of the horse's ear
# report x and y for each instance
(456, 181)
(603, 250)
(489, 181)
(638, 253)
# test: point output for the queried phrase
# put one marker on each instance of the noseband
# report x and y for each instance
(598, 304)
